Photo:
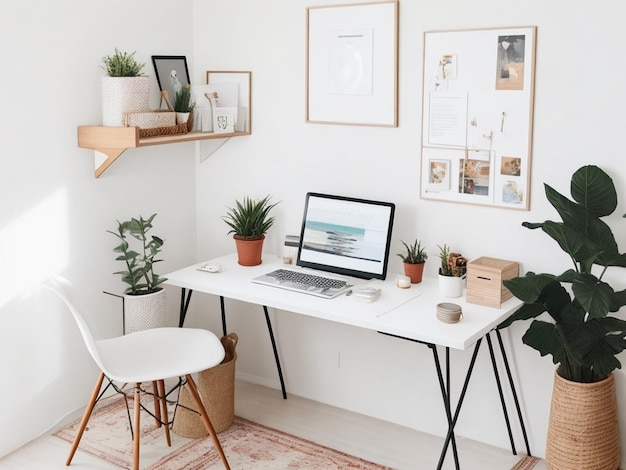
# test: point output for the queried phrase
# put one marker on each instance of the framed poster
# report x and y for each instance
(172, 75)
(477, 116)
(352, 64)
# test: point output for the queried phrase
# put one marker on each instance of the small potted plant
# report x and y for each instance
(451, 272)
(249, 220)
(144, 299)
(414, 258)
(124, 89)
(183, 105)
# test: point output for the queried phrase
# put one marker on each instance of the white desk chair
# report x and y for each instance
(149, 356)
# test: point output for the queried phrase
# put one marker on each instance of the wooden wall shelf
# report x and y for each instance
(113, 141)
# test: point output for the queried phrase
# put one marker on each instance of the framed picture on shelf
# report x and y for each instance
(172, 74)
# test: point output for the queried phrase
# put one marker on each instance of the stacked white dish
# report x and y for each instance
(448, 312)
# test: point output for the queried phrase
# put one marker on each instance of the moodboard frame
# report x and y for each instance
(477, 116)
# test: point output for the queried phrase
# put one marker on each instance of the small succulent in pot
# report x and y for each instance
(452, 264)
(414, 254)
(250, 218)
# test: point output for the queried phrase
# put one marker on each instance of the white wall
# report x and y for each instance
(54, 214)
(578, 120)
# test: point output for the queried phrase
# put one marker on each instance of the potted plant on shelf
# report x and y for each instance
(249, 221)
(578, 332)
(414, 259)
(451, 272)
(124, 89)
(183, 105)
(144, 299)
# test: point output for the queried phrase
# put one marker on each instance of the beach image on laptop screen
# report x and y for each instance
(346, 235)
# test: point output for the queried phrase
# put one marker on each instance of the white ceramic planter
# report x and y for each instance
(451, 286)
(143, 312)
(121, 95)
(182, 118)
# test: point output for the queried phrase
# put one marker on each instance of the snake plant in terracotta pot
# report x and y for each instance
(414, 258)
(249, 220)
(576, 326)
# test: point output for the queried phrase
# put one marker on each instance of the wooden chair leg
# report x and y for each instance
(157, 409)
(164, 414)
(205, 418)
(85, 419)
(137, 433)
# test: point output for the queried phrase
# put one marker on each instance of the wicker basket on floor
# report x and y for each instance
(583, 431)
(216, 387)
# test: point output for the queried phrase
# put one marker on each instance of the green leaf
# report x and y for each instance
(595, 296)
(592, 188)
(544, 337)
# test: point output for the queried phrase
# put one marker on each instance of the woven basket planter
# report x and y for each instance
(216, 387)
(142, 312)
(122, 95)
(583, 431)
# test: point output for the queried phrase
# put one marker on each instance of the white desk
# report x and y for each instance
(409, 314)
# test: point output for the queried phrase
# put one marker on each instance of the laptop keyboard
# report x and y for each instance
(307, 280)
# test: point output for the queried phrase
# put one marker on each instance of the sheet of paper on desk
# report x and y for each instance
(411, 297)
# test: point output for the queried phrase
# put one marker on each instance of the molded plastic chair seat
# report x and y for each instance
(159, 353)
(149, 356)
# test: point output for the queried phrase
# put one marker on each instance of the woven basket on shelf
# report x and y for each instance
(169, 130)
(583, 431)
(216, 387)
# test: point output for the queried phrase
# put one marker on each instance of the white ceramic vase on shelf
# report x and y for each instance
(182, 118)
(451, 286)
(121, 95)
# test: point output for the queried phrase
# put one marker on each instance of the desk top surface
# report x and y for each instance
(410, 313)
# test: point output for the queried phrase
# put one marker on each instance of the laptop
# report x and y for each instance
(345, 241)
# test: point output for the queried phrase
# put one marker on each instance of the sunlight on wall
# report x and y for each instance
(34, 246)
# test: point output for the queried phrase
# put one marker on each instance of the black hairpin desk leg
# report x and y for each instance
(513, 391)
(271, 332)
(445, 391)
(503, 403)
(184, 305)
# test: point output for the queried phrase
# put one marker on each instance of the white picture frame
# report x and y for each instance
(352, 64)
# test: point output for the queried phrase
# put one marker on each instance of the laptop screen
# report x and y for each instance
(346, 235)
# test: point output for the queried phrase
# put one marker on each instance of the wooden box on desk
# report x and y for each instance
(484, 280)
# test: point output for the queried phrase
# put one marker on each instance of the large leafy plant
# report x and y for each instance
(139, 273)
(250, 218)
(580, 334)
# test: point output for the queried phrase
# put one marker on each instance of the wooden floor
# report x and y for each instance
(371, 439)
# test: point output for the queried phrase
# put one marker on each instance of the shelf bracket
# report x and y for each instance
(111, 156)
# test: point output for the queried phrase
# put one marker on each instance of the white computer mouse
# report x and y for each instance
(366, 294)
(210, 267)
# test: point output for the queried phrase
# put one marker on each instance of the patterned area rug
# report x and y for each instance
(247, 445)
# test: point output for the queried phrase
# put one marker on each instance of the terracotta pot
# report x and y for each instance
(249, 251)
(414, 271)
(142, 312)
(583, 431)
